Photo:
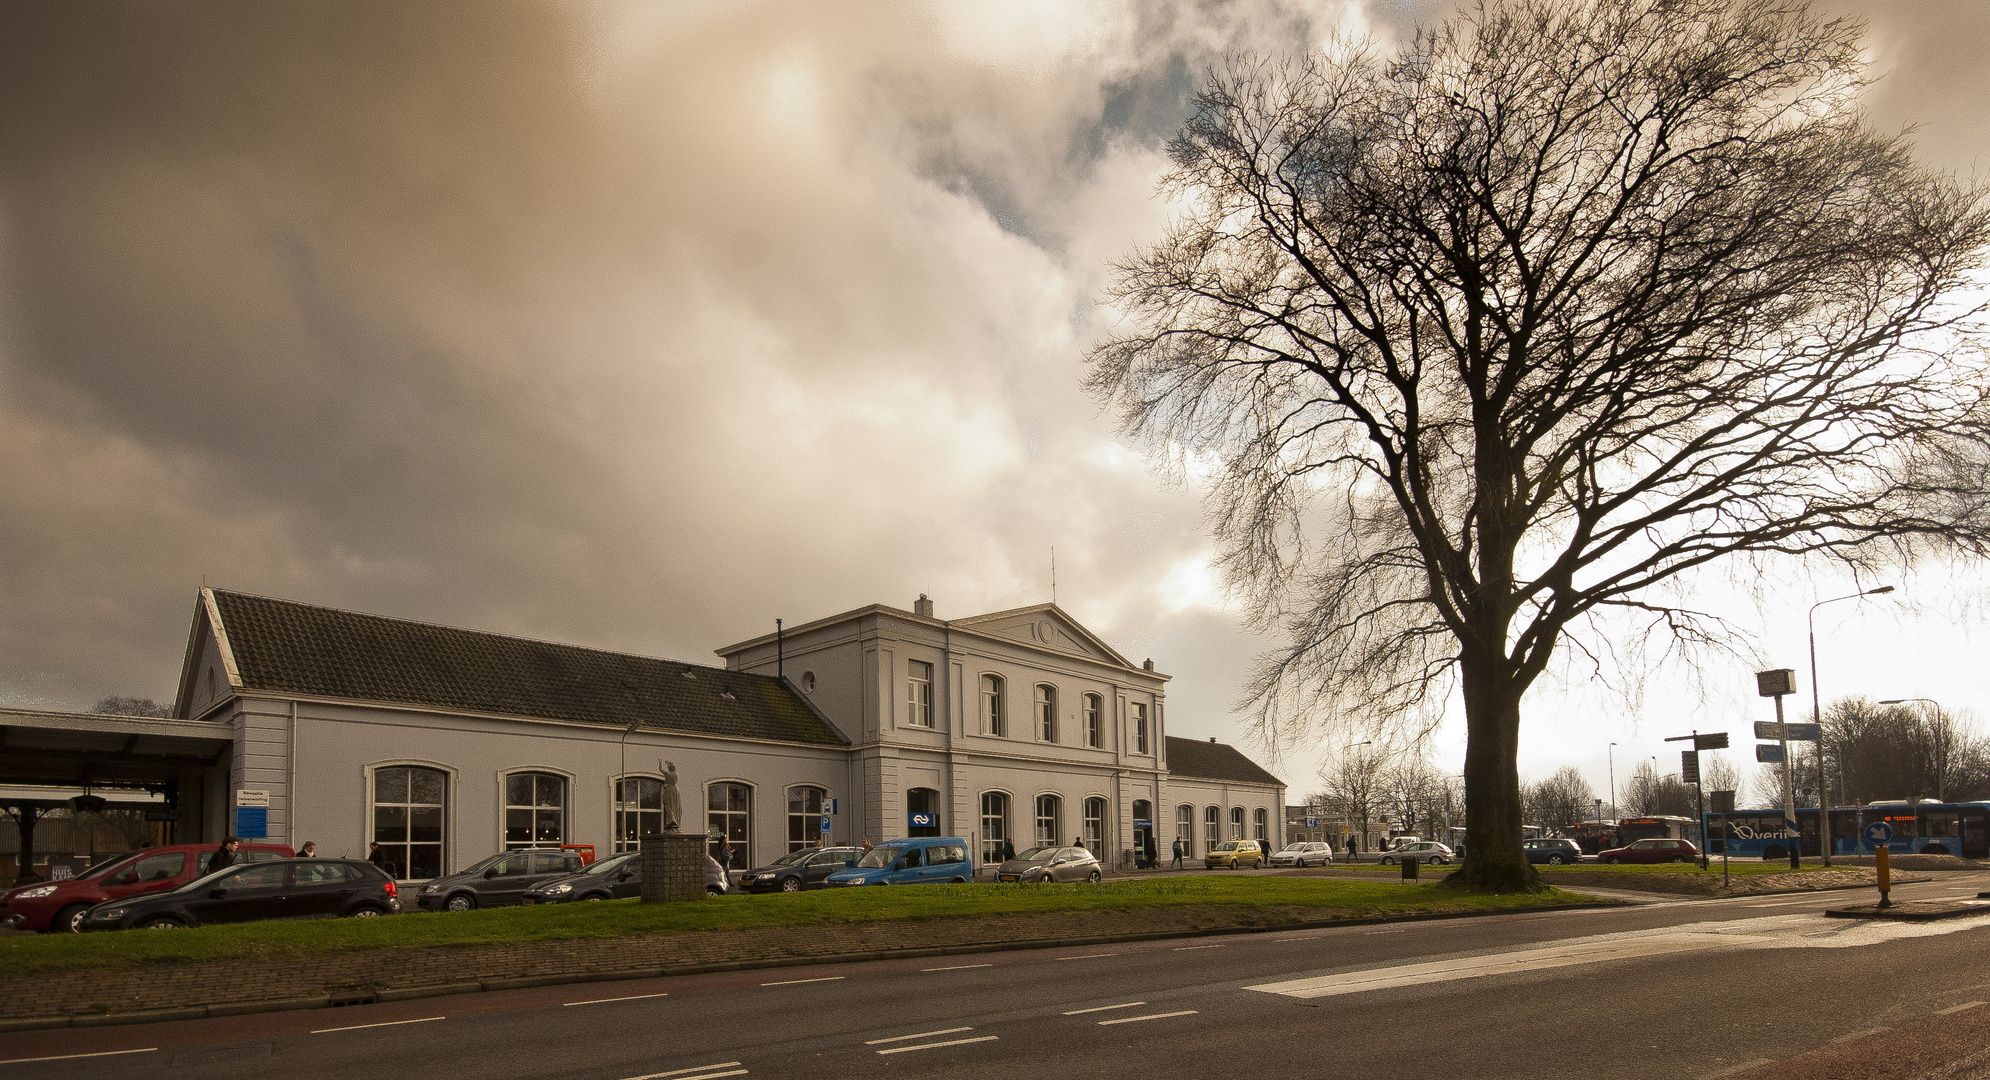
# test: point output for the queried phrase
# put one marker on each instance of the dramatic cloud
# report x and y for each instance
(628, 325)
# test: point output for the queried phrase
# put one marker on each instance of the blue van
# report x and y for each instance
(912, 861)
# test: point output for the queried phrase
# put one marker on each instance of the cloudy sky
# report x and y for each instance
(641, 325)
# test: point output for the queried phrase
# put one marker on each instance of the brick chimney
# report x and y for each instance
(922, 607)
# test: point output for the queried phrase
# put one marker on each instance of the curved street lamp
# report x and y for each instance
(1817, 718)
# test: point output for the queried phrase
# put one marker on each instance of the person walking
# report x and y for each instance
(224, 856)
(309, 850)
(377, 855)
(1176, 862)
(1008, 850)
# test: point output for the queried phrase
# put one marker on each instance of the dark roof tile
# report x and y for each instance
(1194, 760)
(287, 647)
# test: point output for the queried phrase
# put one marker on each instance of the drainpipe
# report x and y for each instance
(778, 650)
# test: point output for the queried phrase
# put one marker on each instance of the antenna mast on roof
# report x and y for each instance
(778, 649)
(1053, 574)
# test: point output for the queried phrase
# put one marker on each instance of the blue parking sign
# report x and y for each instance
(825, 823)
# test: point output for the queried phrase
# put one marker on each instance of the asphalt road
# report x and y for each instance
(1669, 991)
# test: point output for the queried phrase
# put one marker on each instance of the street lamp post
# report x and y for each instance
(1612, 752)
(1817, 718)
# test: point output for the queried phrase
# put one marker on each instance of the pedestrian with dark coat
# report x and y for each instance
(1176, 864)
(1008, 850)
(377, 855)
(224, 856)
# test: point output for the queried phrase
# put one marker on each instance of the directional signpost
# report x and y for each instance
(1689, 773)
(1775, 684)
(1877, 834)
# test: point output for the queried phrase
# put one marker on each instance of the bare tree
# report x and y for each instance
(1562, 800)
(1647, 792)
(1875, 751)
(1351, 785)
(1495, 338)
(118, 705)
(1414, 791)
(1717, 773)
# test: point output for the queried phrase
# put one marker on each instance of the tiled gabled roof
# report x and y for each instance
(1194, 760)
(287, 647)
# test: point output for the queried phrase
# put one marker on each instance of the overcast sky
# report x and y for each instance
(641, 325)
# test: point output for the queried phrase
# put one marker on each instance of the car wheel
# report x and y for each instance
(713, 892)
(1441, 861)
(791, 884)
(1387, 861)
(162, 922)
(957, 881)
(880, 882)
(1612, 859)
(367, 913)
(1679, 858)
(1095, 877)
(1556, 860)
(69, 920)
(1774, 852)
(461, 902)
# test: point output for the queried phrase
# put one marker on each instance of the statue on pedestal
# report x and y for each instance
(673, 807)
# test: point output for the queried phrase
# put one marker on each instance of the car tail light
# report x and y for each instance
(390, 888)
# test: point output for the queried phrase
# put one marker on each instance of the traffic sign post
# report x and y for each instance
(1776, 683)
(1879, 832)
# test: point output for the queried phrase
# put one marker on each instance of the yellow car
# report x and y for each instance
(1234, 855)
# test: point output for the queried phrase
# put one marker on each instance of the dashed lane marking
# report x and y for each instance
(704, 1072)
(384, 1023)
(605, 1001)
(1088, 956)
(72, 1057)
(932, 1046)
(921, 1035)
(1192, 948)
(1957, 1008)
(1137, 1019)
(798, 982)
(1103, 1008)
(956, 967)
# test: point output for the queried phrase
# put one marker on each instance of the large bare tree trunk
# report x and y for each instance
(1494, 860)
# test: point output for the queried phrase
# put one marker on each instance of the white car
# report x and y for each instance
(1423, 851)
(1303, 854)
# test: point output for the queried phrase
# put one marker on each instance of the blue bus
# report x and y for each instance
(1922, 827)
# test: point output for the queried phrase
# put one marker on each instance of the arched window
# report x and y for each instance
(1260, 826)
(994, 824)
(729, 820)
(1236, 823)
(1212, 827)
(1046, 712)
(1095, 728)
(1095, 827)
(408, 806)
(805, 810)
(1185, 827)
(638, 811)
(991, 706)
(535, 810)
(922, 812)
(1047, 827)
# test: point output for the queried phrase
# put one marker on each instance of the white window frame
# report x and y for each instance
(1212, 826)
(506, 806)
(810, 823)
(1096, 809)
(1046, 712)
(992, 837)
(1048, 826)
(994, 705)
(616, 810)
(448, 805)
(919, 693)
(1139, 728)
(1094, 709)
(744, 847)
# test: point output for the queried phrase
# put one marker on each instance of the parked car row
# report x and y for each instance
(60, 906)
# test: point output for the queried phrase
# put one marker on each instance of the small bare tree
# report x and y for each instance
(1491, 340)
(1352, 785)
(1562, 800)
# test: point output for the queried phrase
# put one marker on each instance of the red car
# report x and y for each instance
(1651, 851)
(59, 905)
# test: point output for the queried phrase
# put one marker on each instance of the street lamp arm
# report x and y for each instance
(1817, 717)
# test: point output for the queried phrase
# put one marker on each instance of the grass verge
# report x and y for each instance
(1235, 900)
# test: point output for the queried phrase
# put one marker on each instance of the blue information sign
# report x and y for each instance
(1312, 823)
(825, 823)
(1879, 832)
(922, 821)
(252, 822)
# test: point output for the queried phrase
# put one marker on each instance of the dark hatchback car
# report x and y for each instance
(798, 870)
(286, 889)
(1553, 851)
(502, 879)
(615, 878)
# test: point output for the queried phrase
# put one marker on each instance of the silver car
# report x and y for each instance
(1051, 864)
(1423, 851)
(1304, 853)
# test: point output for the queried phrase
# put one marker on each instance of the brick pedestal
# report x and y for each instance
(673, 867)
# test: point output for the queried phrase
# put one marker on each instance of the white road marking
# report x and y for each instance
(388, 1023)
(1103, 1008)
(921, 1035)
(1088, 956)
(1562, 955)
(958, 967)
(930, 1046)
(1192, 948)
(703, 1072)
(605, 1001)
(72, 1057)
(1137, 1019)
(1938, 1012)
(798, 982)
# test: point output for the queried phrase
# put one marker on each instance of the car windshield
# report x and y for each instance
(793, 858)
(1038, 854)
(609, 866)
(1227, 845)
(204, 880)
(115, 862)
(880, 856)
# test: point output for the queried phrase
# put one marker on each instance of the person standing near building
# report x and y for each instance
(224, 856)
(1176, 862)
(309, 850)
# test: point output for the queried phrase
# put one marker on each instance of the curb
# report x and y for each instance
(412, 993)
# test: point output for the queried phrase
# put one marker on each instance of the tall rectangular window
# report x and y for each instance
(638, 811)
(408, 805)
(1046, 712)
(1046, 820)
(1095, 728)
(729, 820)
(1185, 827)
(992, 721)
(535, 810)
(1139, 729)
(919, 693)
(1212, 826)
(805, 806)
